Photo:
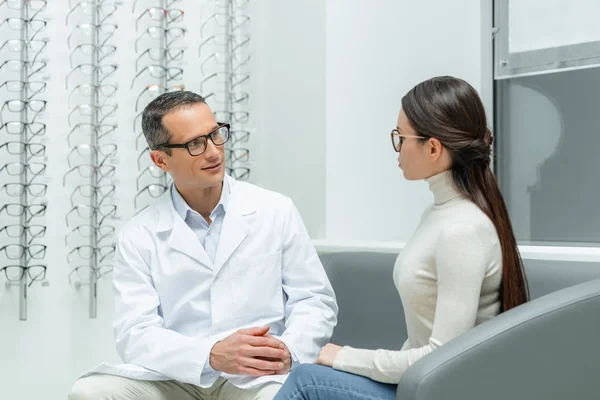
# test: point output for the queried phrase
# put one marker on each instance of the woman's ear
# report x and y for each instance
(435, 149)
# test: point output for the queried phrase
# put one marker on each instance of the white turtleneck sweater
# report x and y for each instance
(448, 276)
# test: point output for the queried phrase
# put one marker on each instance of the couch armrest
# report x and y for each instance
(547, 349)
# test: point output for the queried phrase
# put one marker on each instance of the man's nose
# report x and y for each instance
(212, 150)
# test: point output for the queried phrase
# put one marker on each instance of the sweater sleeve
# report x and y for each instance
(460, 264)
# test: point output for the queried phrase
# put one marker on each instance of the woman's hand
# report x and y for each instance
(328, 354)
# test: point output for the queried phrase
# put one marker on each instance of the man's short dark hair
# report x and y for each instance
(152, 125)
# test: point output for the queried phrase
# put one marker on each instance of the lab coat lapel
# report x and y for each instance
(235, 227)
(181, 237)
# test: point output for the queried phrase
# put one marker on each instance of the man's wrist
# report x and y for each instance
(210, 356)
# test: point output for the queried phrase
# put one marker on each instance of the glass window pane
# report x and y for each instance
(548, 136)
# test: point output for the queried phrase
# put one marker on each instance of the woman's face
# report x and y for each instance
(414, 157)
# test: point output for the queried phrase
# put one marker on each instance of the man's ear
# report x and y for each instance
(159, 159)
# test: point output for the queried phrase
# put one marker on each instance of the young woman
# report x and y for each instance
(460, 268)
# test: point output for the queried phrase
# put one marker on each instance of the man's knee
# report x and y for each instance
(97, 387)
(85, 389)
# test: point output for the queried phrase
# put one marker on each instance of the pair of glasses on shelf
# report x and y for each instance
(219, 21)
(85, 211)
(223, 43)
(101, 153)
(17, 251)
(17, 148)
(85, 131)
(16, 86)
(17, 231)
(86, 231)
(160, 54)
(17, 210)
(87, 252)
(103, 9)
(35, 47)
(34, 6)
(151, 191)
(159, 71)
(19, 189)
(16, 273)
(158, 33)
(103, 72)
(94, 34)
(84, 51)
(91, 171)
(159, 14)
(16, 24)
(87, 192)
(102, 112)
(84, 274)
(32, 67)
(32, 170)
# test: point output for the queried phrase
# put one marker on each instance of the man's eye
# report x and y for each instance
(196, 143)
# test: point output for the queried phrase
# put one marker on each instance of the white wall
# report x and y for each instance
(374, 56)
(290, 104)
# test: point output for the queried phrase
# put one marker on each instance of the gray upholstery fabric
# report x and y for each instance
(371, 314)
(549, 276)
(546, 349)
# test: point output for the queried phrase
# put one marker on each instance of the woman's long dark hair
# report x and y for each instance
(450, 110)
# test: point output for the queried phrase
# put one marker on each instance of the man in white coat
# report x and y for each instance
(218, 289)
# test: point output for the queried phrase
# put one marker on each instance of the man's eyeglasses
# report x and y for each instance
(219, 136)
(398, 139)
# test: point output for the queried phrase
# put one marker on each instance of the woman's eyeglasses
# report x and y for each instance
(398, 139)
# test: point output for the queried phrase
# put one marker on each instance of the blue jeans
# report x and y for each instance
(316, 382)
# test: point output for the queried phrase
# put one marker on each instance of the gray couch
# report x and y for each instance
(547, 349)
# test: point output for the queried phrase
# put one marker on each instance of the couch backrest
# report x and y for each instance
(549, 276)
(371, 314)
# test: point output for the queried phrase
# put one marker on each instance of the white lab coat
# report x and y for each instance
(266, 272)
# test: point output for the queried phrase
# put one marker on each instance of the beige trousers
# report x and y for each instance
(110, 387)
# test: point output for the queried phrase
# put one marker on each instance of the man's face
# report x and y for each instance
(203, 171)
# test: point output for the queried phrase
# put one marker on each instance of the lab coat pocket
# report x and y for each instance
(257, 287)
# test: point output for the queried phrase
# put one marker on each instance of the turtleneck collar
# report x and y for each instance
(443, 188)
